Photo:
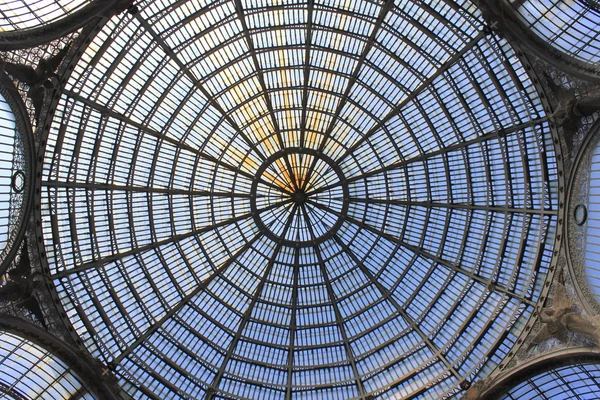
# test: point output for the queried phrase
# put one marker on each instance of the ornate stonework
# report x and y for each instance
(579, 187)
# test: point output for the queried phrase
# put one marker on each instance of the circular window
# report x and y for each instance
(580, 214)
(18, 181)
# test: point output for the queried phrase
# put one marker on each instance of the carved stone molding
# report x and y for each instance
(40, 135)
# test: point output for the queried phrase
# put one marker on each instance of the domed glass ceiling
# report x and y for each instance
(23, 14)
(580, 381)
(315, 199)
(31, 372)
(570, 26)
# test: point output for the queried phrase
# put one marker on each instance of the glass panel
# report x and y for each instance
(317, 199)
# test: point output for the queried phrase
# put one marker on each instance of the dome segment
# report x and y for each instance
(20, 14)
(38, 365)
(578, 381)
(309, 200)
(572, 27)
(31, 372)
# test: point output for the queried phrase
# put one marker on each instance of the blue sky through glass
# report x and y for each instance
(451, 198)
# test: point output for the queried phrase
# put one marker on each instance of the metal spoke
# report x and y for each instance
(334, 305)
(386, 7)
(293, 328)
(309, 32)
(246, 317)
(142, 189)
(177, 238)
(455, 206)
(261, 79)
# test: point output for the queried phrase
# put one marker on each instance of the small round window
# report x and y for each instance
(18, 181)
(580, 214)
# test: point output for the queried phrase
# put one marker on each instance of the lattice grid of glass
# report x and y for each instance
(31, 372)
(570, 26)
(25, 14)
(580, 382)
(299, 200)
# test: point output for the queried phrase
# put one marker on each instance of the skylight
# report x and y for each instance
(299, 199)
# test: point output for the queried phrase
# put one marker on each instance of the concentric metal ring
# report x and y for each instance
(319, 200)
(447, 233)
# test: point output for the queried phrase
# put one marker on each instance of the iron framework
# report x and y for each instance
(316, 199)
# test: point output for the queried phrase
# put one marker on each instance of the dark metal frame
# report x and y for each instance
(89, 370)
(23, 126)
(90, 14)
(222, 269)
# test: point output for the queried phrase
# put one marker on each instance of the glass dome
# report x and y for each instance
(579, 381)
(572, 27)
(307, 199)
(22, 14)
(31, 372)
